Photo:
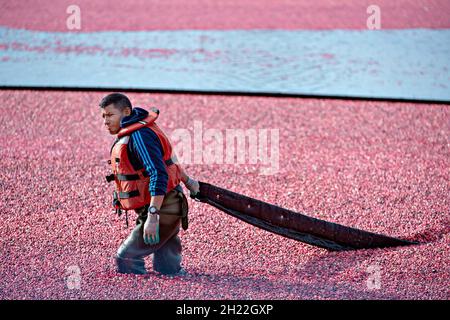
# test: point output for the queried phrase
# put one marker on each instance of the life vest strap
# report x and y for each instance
(130, 194)
(172, 160)
(126, 177)
(169, 162)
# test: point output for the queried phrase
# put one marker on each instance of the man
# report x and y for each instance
(147, 178)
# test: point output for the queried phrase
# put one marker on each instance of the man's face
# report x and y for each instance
(112, 116)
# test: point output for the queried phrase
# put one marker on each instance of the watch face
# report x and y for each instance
(152, 210)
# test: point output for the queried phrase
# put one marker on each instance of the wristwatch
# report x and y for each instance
(153, 210)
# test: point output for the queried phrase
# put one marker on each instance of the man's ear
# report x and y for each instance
(127, 112)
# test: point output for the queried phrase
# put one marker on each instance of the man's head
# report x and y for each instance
(114, 107)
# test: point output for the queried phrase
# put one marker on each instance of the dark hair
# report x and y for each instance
(119, 100)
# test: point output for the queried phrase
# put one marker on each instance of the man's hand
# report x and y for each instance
(193, 186)
(151, 229)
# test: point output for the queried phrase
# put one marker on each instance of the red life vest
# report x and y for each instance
(132, 187)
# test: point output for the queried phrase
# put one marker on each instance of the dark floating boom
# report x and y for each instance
(290, 224)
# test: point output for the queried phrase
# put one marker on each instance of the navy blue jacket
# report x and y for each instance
(145, 151)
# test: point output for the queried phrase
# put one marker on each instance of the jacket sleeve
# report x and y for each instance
(146, 146)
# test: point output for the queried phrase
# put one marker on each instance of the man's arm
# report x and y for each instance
(147, 147)
(156, 201)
